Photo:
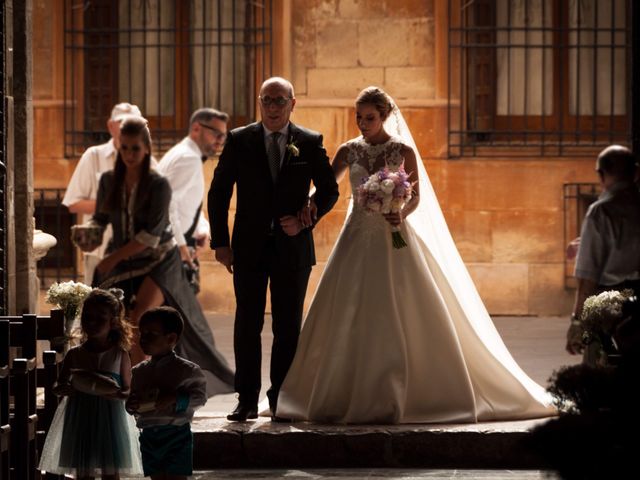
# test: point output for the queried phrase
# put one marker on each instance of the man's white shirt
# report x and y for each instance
(182, 166)
(85, 179)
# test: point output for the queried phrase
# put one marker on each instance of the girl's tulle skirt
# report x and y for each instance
(91, 436)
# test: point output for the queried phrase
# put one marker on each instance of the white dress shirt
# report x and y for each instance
(182, 166)
(84, 186)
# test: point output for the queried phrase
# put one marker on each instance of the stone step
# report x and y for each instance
(263, 444)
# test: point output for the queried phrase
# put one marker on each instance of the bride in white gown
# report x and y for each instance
(400, 335)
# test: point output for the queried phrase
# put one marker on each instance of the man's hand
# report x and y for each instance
(291, 225)
(202, 242)
(574, 339)
(224, 255)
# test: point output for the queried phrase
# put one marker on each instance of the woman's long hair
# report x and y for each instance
(131, 126)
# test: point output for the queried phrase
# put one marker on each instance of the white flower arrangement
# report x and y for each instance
(600, 315)
(68, 296)
(604, 308)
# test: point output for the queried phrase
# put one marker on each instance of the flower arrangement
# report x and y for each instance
(68, 296)
(386, 192)
(292, 148)
(600, 315)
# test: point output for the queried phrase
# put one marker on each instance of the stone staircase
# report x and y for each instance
(263, 444)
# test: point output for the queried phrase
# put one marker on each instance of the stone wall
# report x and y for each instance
(505, 213)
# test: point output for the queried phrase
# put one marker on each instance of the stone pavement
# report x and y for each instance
(537, 344)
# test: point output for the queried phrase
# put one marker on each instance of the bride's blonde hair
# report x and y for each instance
(378, 98)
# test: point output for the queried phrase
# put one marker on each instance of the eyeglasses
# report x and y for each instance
(217, 133)
(279, 101)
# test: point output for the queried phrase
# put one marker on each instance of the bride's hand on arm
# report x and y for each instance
(308, 213)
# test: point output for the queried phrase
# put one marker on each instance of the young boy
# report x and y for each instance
(165, 392)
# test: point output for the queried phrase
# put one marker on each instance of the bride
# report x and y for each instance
(400, 335)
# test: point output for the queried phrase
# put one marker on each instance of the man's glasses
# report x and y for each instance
(217, 133)
(279, 101)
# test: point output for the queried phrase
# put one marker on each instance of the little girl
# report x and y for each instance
(91, 433)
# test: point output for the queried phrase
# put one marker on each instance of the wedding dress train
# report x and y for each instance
(400, 335)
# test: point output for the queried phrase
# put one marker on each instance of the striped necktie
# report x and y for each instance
(274, 156)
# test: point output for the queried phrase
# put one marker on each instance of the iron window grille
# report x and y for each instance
(538, 77)
(169, 57)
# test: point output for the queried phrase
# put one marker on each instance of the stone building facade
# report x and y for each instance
(506, 212)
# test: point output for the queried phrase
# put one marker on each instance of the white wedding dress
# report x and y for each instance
(398, 335)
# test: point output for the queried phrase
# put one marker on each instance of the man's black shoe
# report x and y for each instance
(242, 412)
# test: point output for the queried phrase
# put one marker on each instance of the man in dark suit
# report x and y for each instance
(272, 164)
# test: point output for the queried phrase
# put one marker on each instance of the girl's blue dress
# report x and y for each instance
(92, 435)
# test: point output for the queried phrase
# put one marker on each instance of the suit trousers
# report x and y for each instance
(288, 288)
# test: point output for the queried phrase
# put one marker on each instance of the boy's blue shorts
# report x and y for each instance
(167, 449)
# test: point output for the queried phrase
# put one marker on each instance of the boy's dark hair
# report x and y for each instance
(169, 318)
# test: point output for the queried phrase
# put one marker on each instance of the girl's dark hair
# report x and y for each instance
(121, 331)
(130, 126)
(378, 98)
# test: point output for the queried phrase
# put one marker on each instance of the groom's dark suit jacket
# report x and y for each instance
(260, 203)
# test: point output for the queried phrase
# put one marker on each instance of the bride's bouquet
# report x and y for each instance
(386, 192)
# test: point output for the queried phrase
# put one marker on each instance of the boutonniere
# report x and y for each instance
(292, 148)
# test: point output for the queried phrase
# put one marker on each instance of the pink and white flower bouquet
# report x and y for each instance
(386, 192)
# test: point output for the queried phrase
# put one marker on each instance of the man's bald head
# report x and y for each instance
(617, 161)
(279, 81)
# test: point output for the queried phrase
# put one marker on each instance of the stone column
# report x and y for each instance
(25, 272)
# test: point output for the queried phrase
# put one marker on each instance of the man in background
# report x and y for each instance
(182, 166)
(82, 190)
(608, 256)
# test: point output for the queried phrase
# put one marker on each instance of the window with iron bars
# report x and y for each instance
(168, 57)
(538, 77)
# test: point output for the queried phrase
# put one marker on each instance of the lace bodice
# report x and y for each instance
(363, 160)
